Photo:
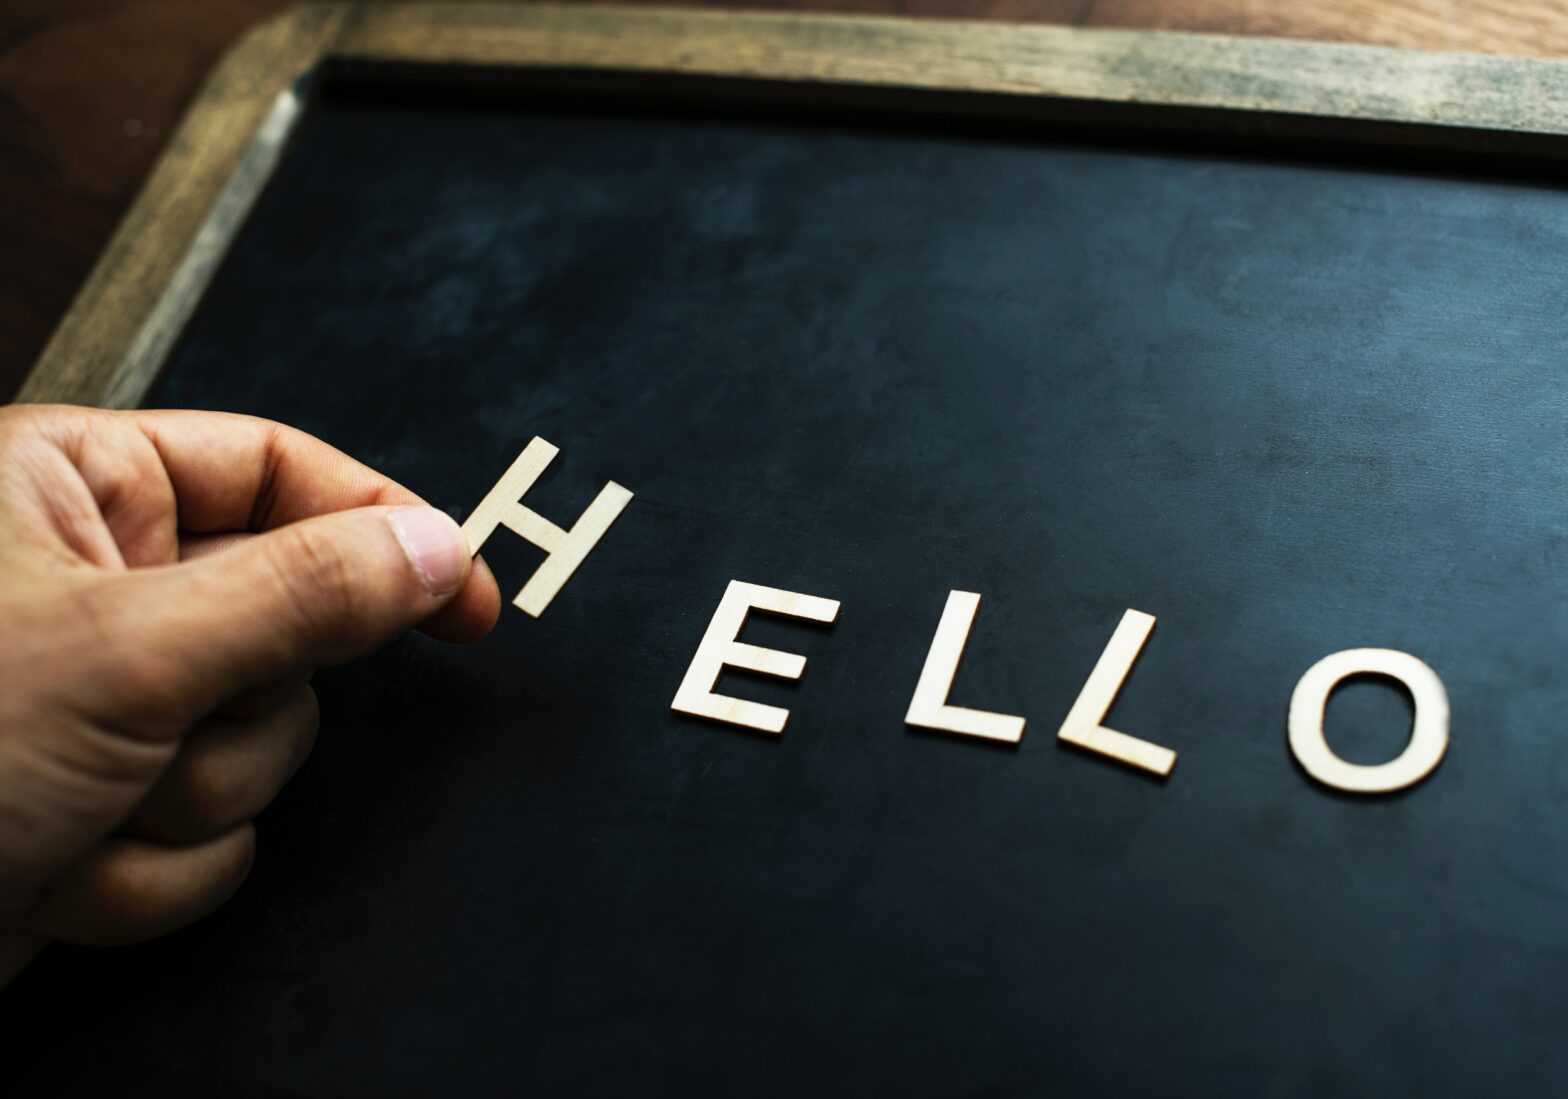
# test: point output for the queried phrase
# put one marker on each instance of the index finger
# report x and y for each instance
(234, 473)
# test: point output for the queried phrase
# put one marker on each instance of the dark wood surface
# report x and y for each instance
(90, 89)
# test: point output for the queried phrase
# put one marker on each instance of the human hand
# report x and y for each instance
(168, 582)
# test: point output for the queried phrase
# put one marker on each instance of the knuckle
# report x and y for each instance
(205, 793)
(135, 903)
(206, 802)
(153, 692)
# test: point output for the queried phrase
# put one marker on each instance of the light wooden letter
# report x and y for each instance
(566, 548)
(1428, 736)
(719, 648)
(1084, 727)
(928, 709)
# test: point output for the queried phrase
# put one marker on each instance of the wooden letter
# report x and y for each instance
(566, 549)
(719, 648)
(1428, 737)
(1084, 727)
(928, 709)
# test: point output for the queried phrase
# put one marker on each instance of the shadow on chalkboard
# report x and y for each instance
(1366, 145)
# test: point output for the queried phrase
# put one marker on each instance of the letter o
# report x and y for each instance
(1428, 737)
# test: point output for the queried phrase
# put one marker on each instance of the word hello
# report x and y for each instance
(1084, 725)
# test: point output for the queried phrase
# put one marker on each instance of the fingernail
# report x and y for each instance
(435, 547)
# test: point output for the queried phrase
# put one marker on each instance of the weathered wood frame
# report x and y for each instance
(127, 317)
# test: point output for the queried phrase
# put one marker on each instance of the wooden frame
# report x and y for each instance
(127, 317)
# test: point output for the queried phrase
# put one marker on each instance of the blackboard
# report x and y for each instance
(1289, 404)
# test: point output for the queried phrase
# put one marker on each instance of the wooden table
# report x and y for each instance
(90, 89)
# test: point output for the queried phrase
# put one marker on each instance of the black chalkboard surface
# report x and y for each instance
(1287, 406)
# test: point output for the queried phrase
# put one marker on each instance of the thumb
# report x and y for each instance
(319, 591)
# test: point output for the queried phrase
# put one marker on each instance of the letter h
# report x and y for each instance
(566, 549)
